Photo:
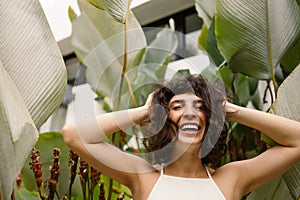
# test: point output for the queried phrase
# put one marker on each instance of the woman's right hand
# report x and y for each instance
(146, 109)
(149, 101)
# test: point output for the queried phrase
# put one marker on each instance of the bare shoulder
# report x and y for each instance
(225, 171)
(146, 183)
(226, 178)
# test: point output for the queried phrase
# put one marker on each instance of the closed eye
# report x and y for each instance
(177, 107)
(199, 107)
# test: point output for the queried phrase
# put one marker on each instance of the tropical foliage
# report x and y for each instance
(256, 43)
(253, 48)
(33, 80)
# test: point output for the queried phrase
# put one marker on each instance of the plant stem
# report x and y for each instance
(83, 174)
(125, 55)
(36, 167)
(54, 174)
(272, 68)
(73, 167)
(110, 189)
(102, 191)
(19, 182)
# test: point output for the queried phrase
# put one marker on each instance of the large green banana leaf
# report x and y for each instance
(287, 104)
(152, 66)
(99, 41)
(253, 36)
(207, 38)
(18, 133)
(212, 48)
(274, 190)
(206, 10)
(116, 8)
(101, 49)
(292, 58)
(33, 81)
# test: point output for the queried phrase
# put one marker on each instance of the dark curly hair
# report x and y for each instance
(158, 132)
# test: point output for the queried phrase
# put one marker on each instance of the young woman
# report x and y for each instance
(184, 130)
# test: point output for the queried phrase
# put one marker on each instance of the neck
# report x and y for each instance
(186, 162)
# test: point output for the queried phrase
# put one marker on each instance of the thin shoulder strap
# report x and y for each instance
(212, 180)
(161, 168)
(208, 173)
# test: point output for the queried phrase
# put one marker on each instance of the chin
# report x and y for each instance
(189, 139)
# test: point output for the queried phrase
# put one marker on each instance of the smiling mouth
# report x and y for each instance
(189, 127)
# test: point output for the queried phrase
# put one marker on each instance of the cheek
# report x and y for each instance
(202, 116)
(203, 119)
(174, 116)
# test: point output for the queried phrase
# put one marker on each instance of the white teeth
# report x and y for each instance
(190, 127)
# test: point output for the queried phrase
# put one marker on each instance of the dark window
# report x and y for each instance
(186, 22)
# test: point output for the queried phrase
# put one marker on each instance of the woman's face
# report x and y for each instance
(186, 110)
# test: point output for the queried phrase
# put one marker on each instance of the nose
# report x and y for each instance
(189, 112)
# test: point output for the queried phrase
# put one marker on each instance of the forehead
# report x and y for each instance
(185, 98)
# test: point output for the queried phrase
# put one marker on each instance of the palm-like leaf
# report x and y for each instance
(292, 58)
(98, 41)
(275, 190)
(206, 10)
(254, 35)
(287, 104)
(18, 133)
(152, 66)
(116, 8)
(35, 80)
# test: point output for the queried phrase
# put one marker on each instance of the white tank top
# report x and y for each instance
(179, 188)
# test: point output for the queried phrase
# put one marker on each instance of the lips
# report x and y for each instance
(189, 127)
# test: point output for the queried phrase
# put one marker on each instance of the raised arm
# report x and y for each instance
(282, 130)
(257, 171)
(94, 130)
(86, 139)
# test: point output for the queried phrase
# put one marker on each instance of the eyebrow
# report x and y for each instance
(177, 101)
(182, 101)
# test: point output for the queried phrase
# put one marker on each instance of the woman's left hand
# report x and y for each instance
(231, 110)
